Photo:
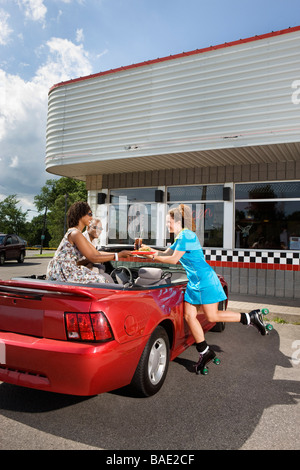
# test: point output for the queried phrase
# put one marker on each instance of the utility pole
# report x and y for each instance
(66, 208)
(43, 231)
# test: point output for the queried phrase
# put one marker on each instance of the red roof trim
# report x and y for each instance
(183, 54)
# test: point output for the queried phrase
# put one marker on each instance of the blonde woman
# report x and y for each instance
(204, 290)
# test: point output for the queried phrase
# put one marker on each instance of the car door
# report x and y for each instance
(10, 248)
(16, 246)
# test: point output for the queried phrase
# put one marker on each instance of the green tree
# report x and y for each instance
(54, 200)
(12, 218)
(34, 230)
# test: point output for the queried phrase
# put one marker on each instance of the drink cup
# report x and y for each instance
(138, 243)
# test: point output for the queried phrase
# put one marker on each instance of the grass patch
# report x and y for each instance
(43, 255)
(279, 320)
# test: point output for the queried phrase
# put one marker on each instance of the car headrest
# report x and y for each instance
(150, 273)
(151, 277)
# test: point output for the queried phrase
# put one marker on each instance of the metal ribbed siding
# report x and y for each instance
(227, 98)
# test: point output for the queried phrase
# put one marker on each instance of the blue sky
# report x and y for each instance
(43, 42)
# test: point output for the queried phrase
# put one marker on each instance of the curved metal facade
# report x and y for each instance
(179, 111)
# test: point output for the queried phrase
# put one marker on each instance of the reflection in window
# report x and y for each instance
(206, 202)
(267, 225)
(132, 216)
(195, 193)
(280, 190)
(208, 219)
(132, 195)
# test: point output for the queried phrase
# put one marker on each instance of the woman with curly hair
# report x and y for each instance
(63, 266)
(204, 290)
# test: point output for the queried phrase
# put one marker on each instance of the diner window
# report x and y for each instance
(207, 207)
(132, 214)
(267, 216)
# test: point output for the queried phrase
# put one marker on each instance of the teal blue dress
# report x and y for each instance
(204, 286)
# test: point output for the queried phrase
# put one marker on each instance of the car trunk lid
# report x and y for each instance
(37, 308)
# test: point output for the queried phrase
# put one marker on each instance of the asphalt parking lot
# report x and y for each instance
(250, 401)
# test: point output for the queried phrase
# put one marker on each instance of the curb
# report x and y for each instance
(287, 313)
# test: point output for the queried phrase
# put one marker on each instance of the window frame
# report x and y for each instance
(130, 204)
(261, 200)
(190, 202)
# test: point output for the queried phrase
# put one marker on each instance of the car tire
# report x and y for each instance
(2, 259)
(21, 258)
(153, 366)
(220, 326)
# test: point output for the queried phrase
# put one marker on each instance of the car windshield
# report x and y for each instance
(139, 264)
(1, 239)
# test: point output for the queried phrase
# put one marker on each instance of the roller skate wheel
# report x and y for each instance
(269, 327)
(217, 361)
(204, 371)
(265, 311)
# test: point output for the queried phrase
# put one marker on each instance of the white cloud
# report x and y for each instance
(34, 9)
(79, 35)
(23, 114)
(81, 2)
(102, 53)
(22, 102)
(11, 105)
(14, 162)
(65, 61)
(5, 30)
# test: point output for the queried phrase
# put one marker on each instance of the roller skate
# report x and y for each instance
(257, 321)
(269, 327)
(200, 367)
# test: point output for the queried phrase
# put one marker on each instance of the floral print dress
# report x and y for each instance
(63, 266)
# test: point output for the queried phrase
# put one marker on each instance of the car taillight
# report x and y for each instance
(87, 327)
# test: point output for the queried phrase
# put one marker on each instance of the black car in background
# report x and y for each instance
(12, 247)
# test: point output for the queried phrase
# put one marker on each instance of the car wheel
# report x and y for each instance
(21, 258)
(2, 259)
(152, 369)
(220, 326)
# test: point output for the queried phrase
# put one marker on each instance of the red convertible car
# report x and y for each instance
(86, 339)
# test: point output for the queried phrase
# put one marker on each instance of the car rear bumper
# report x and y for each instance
(67, 367)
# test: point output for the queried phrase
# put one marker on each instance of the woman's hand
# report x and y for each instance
(124, 253)
(169, 256)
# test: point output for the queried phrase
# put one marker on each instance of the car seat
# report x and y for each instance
(101, 270)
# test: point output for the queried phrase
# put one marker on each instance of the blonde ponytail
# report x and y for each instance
(183, 214)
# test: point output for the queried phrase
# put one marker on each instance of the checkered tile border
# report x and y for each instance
(253, 259)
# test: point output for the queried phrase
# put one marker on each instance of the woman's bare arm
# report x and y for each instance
(89, 251)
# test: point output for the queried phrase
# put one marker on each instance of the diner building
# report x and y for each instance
(215, 128)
